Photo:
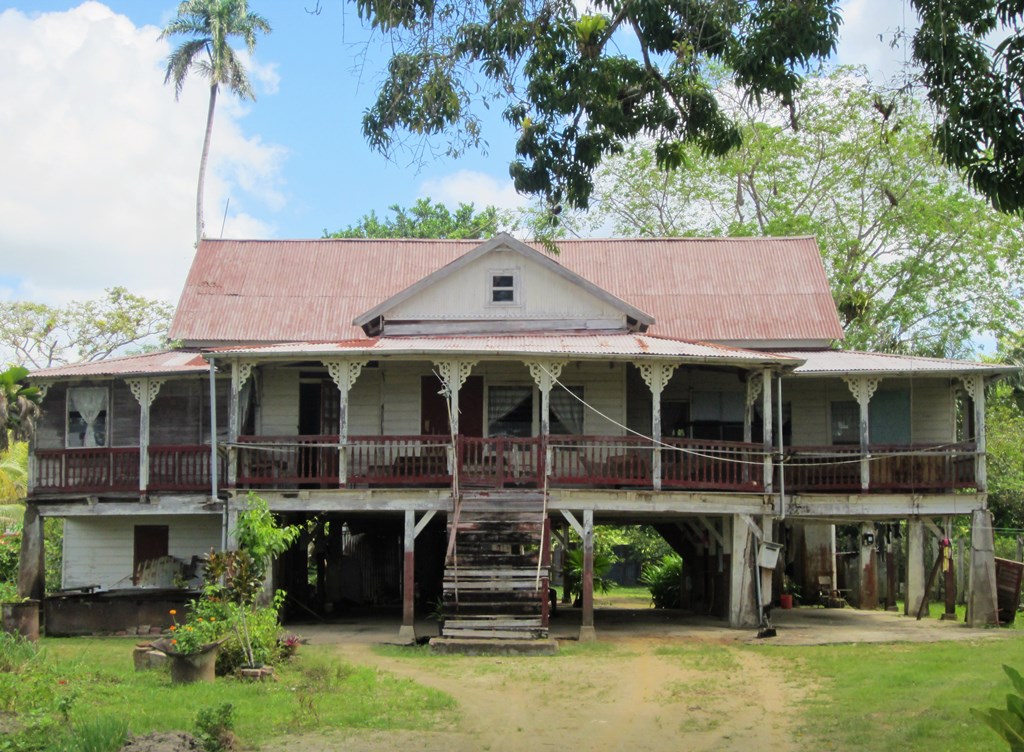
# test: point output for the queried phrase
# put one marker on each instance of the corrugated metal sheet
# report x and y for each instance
(581, 345)
(854, 362)
(165, 362)
(696, 289)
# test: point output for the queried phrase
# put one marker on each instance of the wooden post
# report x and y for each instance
(407, 632)
(950, 573)
(587, 631)
(144, 390)
(754, 383)
(868, 566)
(545, 579)
(916, 593)
(766, 410)
(236, 387)
(742, 607)
(566, 595)
(656, 375)
(961, 571)
(344, 374)
(890, 571)
(863, 389)
(32, 563)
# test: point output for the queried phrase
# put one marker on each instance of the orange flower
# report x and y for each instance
(173, 612)
(174, 642)
(173, 627)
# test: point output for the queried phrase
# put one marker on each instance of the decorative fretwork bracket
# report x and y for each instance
(862, 387)
(454, 373)
(344, 372)
(546, 372)
(244, 372)
(754, 383)
(973, 385)
(42, 385)
(145, 390)
(656, 375)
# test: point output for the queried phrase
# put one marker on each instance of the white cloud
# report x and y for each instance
(469, 187)
(100, 162)
(867, 37)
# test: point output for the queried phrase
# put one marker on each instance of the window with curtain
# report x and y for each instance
(566, 411)
(87, 417)
(845, 420)
(510, 411)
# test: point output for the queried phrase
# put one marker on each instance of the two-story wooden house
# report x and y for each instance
(442, 408)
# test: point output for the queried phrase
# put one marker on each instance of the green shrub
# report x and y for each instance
(573, 572)
(103, 734)
(1008, 723)
(215, 728)
(664, 580)
(15, 652)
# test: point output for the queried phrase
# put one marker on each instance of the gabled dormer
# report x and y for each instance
(502, 286)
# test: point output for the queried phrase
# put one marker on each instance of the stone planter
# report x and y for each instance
(21, 619)
(188, 668)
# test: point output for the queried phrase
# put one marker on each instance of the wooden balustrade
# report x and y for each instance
(497, 462)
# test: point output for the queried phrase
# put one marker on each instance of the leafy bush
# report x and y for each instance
(215, 728)
(573, 572)
(15, 652)
(664, 580)
(1008, 723)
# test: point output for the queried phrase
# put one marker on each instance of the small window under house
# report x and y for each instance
(503, 288)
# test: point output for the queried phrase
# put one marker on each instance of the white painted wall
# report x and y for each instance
(278, 414)
(99, 550)
(542, 295)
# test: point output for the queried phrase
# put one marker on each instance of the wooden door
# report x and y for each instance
(151, 542)
(434, 407)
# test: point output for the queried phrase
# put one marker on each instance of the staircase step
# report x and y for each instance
(502, 621)
(492, 584)
(479, 610)
(495, 634)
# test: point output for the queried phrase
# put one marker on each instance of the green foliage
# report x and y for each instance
(103, 734)
(573, 572)
(577, 87)
(19, 405)
(261, 536)
(664, 580)
(643, 542)
(1008, 723)
(42, 336)
(917, 262)
(16, 653)
(192, 634)
(1004, 439)
(13, 474)
(426, 220)
(214, 727)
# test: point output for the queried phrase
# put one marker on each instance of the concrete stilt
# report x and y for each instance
(982, 605)
(587, 631)
(32, 564)
(742, 600)
(915, 567)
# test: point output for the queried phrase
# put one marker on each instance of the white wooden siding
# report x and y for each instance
(364, 413)
(99, 550)
(279, 402)
(400, 385)
(543, 295)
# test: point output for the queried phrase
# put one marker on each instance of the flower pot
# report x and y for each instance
(21, 619)
(188, 668)
(786, 601)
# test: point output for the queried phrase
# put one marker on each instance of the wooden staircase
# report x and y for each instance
(491, 588)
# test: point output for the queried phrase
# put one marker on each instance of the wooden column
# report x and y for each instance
(587, 631)
(407, 631)
(975, 388)
(766, 411)
(144, 390)
(240, 372)
(868, 567)
(915, 567)
(545, 373)
(755, 381)
(344, 374)
(949, 571)
(453, 375)
(656, 375)
(863, 389)
(982, 605)
(742, 600)
(32, 562)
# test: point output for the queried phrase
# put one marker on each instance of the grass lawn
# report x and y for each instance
(75, 681)
(903, 696)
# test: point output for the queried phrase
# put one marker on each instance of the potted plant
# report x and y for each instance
(192, 648)
(789, 592)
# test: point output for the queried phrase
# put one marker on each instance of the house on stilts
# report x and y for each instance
(444, 408)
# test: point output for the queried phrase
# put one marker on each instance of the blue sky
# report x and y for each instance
(101, 161)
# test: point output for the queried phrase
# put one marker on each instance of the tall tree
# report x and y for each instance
(577, 84)
(40, 336)
(211, 24)
(917, 260)
(425, 219)
(19, 406)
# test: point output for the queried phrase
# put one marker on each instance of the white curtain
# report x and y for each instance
(568, 409)
(503, 400)
(89, 403)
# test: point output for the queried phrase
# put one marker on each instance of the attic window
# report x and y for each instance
(503, 288)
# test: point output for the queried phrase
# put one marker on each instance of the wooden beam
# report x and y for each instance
(407, 631)
(754, 527)
(571, 519)
(424, 520)
(718, 537)
(930, 525)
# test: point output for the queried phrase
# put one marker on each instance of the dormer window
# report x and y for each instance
(504, 286)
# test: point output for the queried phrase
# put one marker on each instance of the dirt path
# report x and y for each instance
(650, 694)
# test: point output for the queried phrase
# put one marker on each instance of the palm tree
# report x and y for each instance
(211, 23)
(19, 406)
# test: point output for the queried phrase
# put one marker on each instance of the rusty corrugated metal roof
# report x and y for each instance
(591, 344)
(832, 362)
(719, 289)
(163, 362)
